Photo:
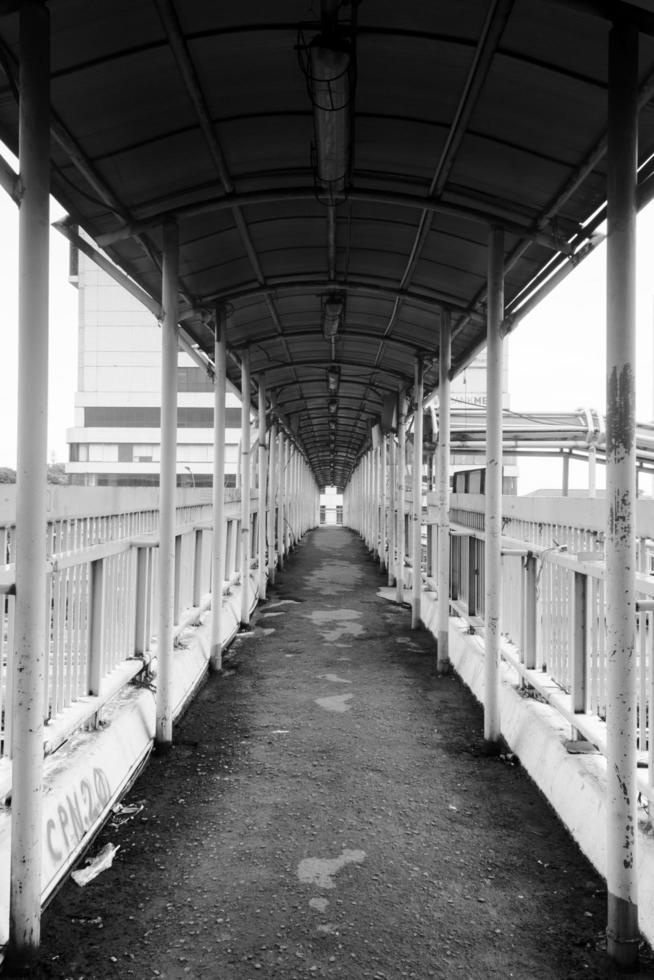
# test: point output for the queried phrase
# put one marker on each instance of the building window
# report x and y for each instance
(193, 379)
(73, 452)
(125, 452)
(149, 417)
(121, 417)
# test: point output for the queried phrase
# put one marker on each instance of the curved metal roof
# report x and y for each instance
(460, 116)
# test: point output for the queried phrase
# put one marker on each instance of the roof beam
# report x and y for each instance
(496, 19)
(432, 299)
(391, 198)
(179, 48)
(611, 10)
(348, 333)
(317, 362)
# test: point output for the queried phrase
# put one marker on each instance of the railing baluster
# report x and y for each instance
(96, 626)
(578, 645)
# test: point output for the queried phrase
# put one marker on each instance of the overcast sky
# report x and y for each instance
(556, 355)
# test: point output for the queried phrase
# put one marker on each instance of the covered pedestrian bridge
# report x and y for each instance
(336, 207)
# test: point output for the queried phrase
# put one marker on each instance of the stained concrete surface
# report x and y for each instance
(286, 837)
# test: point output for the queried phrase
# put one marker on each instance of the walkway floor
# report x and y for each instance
(327, 812)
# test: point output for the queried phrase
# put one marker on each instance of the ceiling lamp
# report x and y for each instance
(332, 404)
(332, 314)
(333, 379)
(330, 66)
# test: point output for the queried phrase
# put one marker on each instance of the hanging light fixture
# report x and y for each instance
(333, 307)
(333, 378)
(328, 65)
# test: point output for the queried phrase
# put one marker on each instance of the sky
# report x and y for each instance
(556, 354)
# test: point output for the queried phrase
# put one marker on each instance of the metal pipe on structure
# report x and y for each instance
(444, 363)
(218, 569)
(401, 480)
(391, 510)
(245, 488)
(168, 484)
(383, 545)
(280, 500)
(31, 499)
(287, 495)
(592, 471)
(565, 481)
(417, 497)
(262, 515)
(374, 501)
(272, 502)
(493, 548)
(622, 911)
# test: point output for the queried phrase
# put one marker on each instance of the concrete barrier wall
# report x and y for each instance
(575, 785)
(84, 778)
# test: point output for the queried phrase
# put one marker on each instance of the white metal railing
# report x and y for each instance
(553, 606)
(101, 597)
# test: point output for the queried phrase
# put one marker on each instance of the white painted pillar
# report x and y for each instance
(263, 472)
(445, 357)
(417, 497)
(218, 570)
(296, 496)
(288, 449)
(383, 536)
(401, 504)
(281, 500)
(622, 912)
(376, 490)
(392, 480)
(167, 484)
(371, 512)
(245, 488)
(30, 637)
(272, 498)
(493, 549)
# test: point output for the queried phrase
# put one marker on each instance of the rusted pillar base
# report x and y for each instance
(622, 940)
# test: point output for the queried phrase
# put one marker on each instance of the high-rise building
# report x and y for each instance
(116, 438)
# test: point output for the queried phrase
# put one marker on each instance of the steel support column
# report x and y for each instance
(565, 480)
(31, 500)
(263, 472)
(417, 497)
(493, 550)
(401, 481)
(391, 509)
(444, 362)
(288, 450)
(218, 568)
(622, 917)
(245, 488)
(281, 502)
(168, 484)
(383, 545)
(272, 501)
(592, 471)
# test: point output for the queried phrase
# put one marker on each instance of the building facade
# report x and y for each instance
(116, 438)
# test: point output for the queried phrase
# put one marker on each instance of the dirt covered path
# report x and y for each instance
(327, 812)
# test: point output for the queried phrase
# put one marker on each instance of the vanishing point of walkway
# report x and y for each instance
(327, 812)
